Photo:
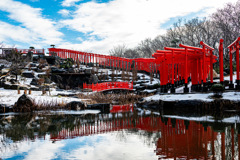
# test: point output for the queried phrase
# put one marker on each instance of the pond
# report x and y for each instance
(128, 135)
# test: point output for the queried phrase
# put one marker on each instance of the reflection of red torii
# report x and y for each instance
(190, 143)
(179, 138)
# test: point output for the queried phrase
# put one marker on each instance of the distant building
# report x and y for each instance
(34, 51)
(5, 51)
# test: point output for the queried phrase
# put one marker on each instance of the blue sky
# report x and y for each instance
(93, 25)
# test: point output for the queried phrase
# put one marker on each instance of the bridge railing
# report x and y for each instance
(108, 86)
(122, 108)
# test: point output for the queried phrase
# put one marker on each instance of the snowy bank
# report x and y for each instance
(9, 97)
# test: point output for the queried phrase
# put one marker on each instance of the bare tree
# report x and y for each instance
(118, 51)
(18, 62)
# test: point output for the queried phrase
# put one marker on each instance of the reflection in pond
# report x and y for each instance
(130, 135)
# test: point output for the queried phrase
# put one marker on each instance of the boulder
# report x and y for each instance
(24, 104)
(103, 107)
(28, 74)
(47, 80)
(88, 71)
(5, 71)
(93, 79)
(5, 109)
(58, 70)
(34, 82)
(1, 67)
(10, 86)
(71, 70)
(75, 105)
(33, 65)
(13, 81)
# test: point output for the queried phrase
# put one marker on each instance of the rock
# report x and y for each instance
(33, 65)
(103, 107)
(88, 71)
(5, 109)
(139, 87)
(5, 71)
(58, 70)
(35, 89)
(24, 104)
(1, 67)
(23, 87)
(13, 81)
(75, 105)
(28, 74)
(93, 79)
(34, 82)
(71, 70)
(53, 60)
(38, 70)
(35, 58)
(47, 80)
(10, 86)
(34, 69)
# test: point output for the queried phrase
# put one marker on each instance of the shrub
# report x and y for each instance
(67, 63)
(217, 89)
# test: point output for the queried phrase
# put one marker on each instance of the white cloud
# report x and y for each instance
(129, 21)
(68, 3)
(15, 33)
(35, 27)
(108, 147)
(64, 12)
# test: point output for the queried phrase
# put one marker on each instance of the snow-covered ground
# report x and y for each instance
(9, 97)
(233, 119)
(233, 96)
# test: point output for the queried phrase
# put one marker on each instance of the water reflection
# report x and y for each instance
(130, 135)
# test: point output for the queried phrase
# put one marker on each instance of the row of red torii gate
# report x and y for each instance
(175, 66)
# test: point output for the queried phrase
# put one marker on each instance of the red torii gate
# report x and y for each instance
(234, 47)
(175, 64)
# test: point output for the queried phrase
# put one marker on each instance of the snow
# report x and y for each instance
(76, 112)
(234, 119)
(178, 97)
(9, 97)
(233, 96)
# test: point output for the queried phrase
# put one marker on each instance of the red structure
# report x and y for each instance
(234, 47)
(108, 86)
(180, 64)
(176, 66)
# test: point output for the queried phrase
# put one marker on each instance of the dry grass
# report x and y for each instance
(40, 106)
(48, 105)
(121, 98)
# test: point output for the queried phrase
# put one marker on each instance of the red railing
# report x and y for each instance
(108, 86)
(122, 108)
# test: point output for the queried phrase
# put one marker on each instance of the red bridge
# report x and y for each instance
(109, 86)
